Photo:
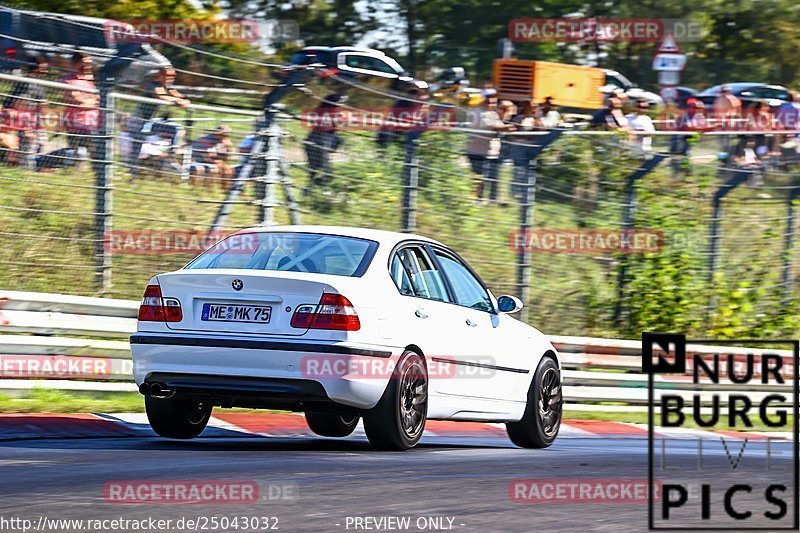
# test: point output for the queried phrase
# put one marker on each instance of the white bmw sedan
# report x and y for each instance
(341, 324)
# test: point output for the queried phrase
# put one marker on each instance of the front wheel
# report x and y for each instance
(397, 421)
(542, 419)
(331, 424)
(177, 418)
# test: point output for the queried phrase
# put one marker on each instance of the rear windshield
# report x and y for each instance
(290, 252)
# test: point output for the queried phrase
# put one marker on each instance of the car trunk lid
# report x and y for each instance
(240, 302)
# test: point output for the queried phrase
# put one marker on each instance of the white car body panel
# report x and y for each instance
(508, 350)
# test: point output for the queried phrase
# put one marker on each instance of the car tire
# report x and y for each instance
(331, 424)
(541, 421)
(398, 419)
(177, 418)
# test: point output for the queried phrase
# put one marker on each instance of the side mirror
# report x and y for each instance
(509, 304)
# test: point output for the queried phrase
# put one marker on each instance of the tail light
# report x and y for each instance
(172, 310)
(155, 308)
(327, 73)
(334, 311)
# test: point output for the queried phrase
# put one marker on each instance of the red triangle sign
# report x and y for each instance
(669, 46)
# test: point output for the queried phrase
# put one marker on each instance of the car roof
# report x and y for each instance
(380, 236)
(739, 86)
(337, 49)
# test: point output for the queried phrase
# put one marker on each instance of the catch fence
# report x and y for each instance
(597, 236)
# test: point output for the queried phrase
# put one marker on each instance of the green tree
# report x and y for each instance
(321, 22)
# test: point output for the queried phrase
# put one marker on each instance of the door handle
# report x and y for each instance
(471, 323)
(420, 313)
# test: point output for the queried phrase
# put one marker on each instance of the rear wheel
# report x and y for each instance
(331, 424)
(398, 420)
(542, 419)
(177, 418)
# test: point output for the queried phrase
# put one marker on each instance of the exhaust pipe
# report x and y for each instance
(160, 391)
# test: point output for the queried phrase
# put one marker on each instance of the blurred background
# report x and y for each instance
(114, 150)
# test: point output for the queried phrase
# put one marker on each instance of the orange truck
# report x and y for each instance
(571, 86)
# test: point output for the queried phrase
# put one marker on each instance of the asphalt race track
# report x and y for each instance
(465, 479)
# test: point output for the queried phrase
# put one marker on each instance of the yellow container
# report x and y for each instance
(570, 86)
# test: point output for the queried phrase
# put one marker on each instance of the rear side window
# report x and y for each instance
(290, 252)
(415, 275)
(367, 63)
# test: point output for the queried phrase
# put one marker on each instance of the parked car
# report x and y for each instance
(365, 65)
(342, 324)
(749, 93)
(615, 80)
(684, 93)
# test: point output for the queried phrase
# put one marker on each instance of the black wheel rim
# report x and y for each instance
(196, 412)
(550, 402)
(413, 398)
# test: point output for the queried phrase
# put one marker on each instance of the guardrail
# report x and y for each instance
(599, 374)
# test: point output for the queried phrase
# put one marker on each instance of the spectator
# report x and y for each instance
(159, 87)
(323, 141)
(80, 113)
(506, 110)
(125, 138)
(30, 106)
(620, 94)
(551, 118)
(761, 120)
(404, 115)
(9, 140)
(155, 152)
(639, 121)
(788, 113)
(693, 119)
(483, 149)
(788, 118)
(746, 156)
(727, 110)
(210, 155)
(611, 117)
(528, 120)
(21, 115)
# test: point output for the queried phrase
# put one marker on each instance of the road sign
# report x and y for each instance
(669, 92)
(672, 62)
(669, 45)
(669, 77)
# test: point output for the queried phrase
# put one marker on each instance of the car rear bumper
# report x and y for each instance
(259, 373)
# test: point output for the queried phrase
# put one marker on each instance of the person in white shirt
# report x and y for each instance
(550, 115)
(638, 121)
(155, 151)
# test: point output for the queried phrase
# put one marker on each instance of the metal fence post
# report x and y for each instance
(267, 200)
(713, 246)
(627, 225)
(526, 211)
(410, 186)
(288, 192)
(788, 251)
(102, 161)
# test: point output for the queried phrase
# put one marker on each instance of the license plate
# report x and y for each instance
(236, 313)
